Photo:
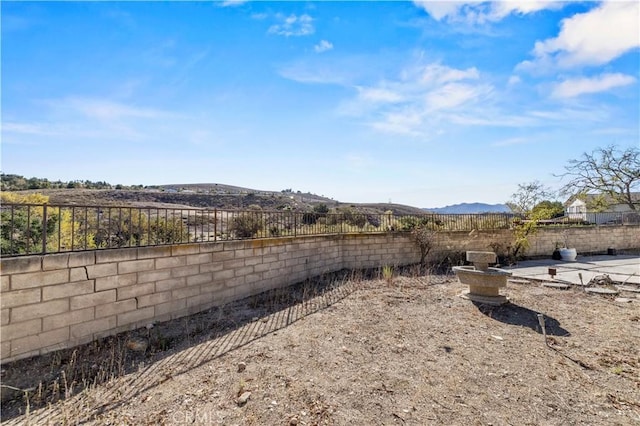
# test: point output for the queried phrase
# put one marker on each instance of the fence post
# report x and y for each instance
(215, 224)
(44, 228)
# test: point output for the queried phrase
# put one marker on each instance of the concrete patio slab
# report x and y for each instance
(621, 269)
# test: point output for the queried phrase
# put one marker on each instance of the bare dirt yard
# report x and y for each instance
(353, 349)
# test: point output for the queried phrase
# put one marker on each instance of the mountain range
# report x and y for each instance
(469, 208)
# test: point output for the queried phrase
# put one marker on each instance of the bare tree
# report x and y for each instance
(609, 171)
(424, 238)
(528, 196)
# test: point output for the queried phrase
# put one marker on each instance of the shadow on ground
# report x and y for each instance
(199, 339)
(519, 315)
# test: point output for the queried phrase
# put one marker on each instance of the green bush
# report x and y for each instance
(247, 224)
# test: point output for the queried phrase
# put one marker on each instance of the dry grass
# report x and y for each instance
(358, 350)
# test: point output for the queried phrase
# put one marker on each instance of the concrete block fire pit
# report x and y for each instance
(484, 282)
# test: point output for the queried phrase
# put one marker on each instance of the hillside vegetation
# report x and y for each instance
(201, 195)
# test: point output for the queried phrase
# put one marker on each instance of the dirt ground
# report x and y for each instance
(352, 349)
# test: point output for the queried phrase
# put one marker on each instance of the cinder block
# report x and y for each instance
(82, 259)
(232, 264)
(55, 261)
(10, 299)
(170, 284)
(234, 282)
(223, 255)
(135, 316)
(185, 292)
(136, 266)
(18, 265)
(21, 329)
(243, 254)
(223, 275)
(93, 299)
(251, 261)
(115, 281)
(116, 255)
(262, 267)
(89, 328)
(153, 299)
(211, 267)
(133, 291)
(232, 246)
(213, 287)
(5, 283)
(200, 299)
(5, 317)
(171, 262)
(149, 276)
(65, 290)
(33, 343)
(39, 310)
(78, 274)
(115, 308)
(185, 271)
(102, 270)
(247, 270)
(196, 259)
(199, 279)
(68, 318)
(253, 278)
(39, 279)
(154, 252)
(269, 258)
(183, 249)
(211, 247)
(169, 308)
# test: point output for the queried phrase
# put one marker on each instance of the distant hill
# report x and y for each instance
(469, 208)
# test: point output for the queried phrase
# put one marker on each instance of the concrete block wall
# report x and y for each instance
(595, 239)
(62, 300)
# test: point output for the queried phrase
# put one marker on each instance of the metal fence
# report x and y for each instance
(46, 228)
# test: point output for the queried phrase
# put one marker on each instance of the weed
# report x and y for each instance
(387, 274)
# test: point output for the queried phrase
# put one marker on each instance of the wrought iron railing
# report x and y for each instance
(47, 228)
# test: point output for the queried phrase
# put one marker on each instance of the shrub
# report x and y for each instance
(247, 224)
(424, 238)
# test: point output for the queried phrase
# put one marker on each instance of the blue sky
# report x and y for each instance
(426, 104)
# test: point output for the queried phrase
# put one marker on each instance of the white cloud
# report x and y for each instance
(421, 96)
(378, 94)
(323, 46)
(228, 3)
(106, 110)
(441, 9)
(453, 95)
(513, 80)
(293, 25)
(404, 123)
(583, 85)
(477, 12)
(502, 9)
(595, 37)
(91, 118)
(440, 74)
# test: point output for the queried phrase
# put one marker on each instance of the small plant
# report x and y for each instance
(387, 273)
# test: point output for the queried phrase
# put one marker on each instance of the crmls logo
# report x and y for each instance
(196, 417)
